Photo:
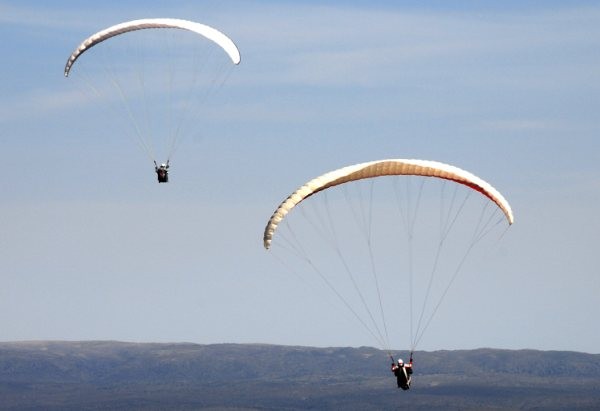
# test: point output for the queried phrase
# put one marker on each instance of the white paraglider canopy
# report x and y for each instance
(388, 238)
(155, 79)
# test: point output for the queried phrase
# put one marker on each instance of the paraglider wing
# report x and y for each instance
(384, 168)
(210, 33)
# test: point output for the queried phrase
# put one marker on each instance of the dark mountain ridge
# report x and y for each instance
(118, 375)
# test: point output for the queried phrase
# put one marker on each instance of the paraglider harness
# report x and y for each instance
(403, 374)
(162, 172)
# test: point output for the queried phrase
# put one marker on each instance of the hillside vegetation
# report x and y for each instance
(128, 376)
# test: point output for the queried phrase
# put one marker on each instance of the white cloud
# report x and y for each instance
(519, 125)
(38, 103)
(43, 16)
(344, 46)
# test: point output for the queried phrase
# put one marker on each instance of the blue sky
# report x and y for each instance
(93, 248)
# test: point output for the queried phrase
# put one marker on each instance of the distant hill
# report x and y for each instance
(106, 375)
